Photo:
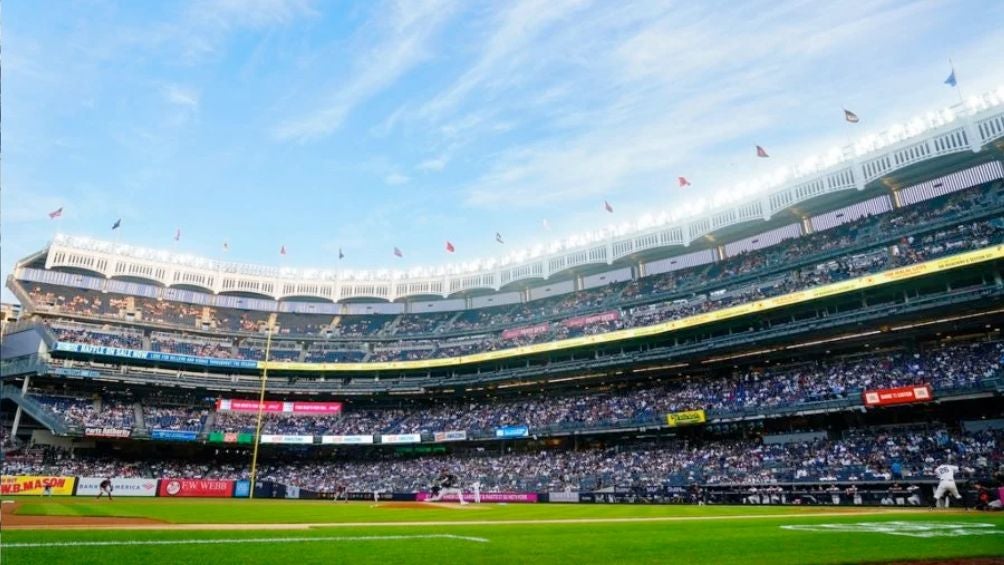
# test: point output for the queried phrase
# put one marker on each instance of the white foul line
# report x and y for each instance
(242, 540)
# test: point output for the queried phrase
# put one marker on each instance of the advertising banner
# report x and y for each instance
(401, 438)
(347, 440)
(512, 431)
(527, 331)
(207, 488)
(242, 489)
(571, 497)
(35, 484)
(317, 408)
(686, 418)
(456, 435)
(901, 395)
(580, 321)
(231, 437)
(91, 486)
(485, 497)
(106, 432)
(174, 435)
(238, 405)
(287, 439)
(157, 356)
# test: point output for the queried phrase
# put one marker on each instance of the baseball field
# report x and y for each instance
(74, 530)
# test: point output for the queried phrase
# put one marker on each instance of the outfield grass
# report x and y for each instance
(728, 537)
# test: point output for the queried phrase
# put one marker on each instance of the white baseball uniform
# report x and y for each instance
(946, 484)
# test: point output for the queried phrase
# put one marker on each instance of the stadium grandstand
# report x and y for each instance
(837, 330)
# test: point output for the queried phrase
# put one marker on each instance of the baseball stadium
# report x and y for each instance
(808, 369)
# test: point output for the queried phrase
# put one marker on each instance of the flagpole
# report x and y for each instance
(957, 87)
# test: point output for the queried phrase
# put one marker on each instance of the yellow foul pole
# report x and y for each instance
(261, 407)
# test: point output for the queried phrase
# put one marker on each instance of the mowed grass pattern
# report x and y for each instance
(727, 537)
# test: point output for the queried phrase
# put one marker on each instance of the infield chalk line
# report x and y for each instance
(241, 540)
(441, 523)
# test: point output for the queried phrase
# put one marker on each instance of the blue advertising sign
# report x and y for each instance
(242, 489)
(174, 435)
(512, 431)
(156, 356)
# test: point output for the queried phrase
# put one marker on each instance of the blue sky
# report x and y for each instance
(369, 125)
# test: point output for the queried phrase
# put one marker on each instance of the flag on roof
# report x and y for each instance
(56, 213)
(226, 247)
(340, 254)
(397, 252)
(117, 224)
(282, 250)
(449, 247)
(851, 116)
(683, 181)
(177, 234)
(761, 152)
(608, 207)
(950, 81)
(498, 237)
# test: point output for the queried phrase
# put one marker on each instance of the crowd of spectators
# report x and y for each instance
(109, 411)
(945, 367)
(92, 334)
(880, 454)
(183, 418)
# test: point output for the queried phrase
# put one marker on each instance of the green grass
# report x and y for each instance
(723, 539)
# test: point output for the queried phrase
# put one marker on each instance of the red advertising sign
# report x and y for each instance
(215, 488)
(317, 407)
(610, 316)
(106, 432)
(901, 395)
(526, 331)
(238, 405)
(485, 497)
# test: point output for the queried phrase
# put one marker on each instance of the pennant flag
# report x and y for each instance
(498, 238)
(177, 235)
(117, 223)
(546, 224)
(851, 116)
(226, 247)
(761, 152)
(608, 207)
(397, 252)
(340, 254)
(282, 250)
(56, 213)
(449, 247)
(950, 81)
(683, 181)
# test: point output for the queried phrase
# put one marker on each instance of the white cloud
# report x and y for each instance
(396, 179)
(433, 165)
(406, 34)
(182, 96)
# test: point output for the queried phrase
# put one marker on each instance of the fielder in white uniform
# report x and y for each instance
(946, 485)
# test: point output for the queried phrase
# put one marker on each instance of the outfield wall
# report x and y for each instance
(915, 493)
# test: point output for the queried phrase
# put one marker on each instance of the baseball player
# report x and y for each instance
(946, 485)
(341, 491)
(446, 483)
(105, 488)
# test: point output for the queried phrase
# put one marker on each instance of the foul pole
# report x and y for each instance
(261, 407)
